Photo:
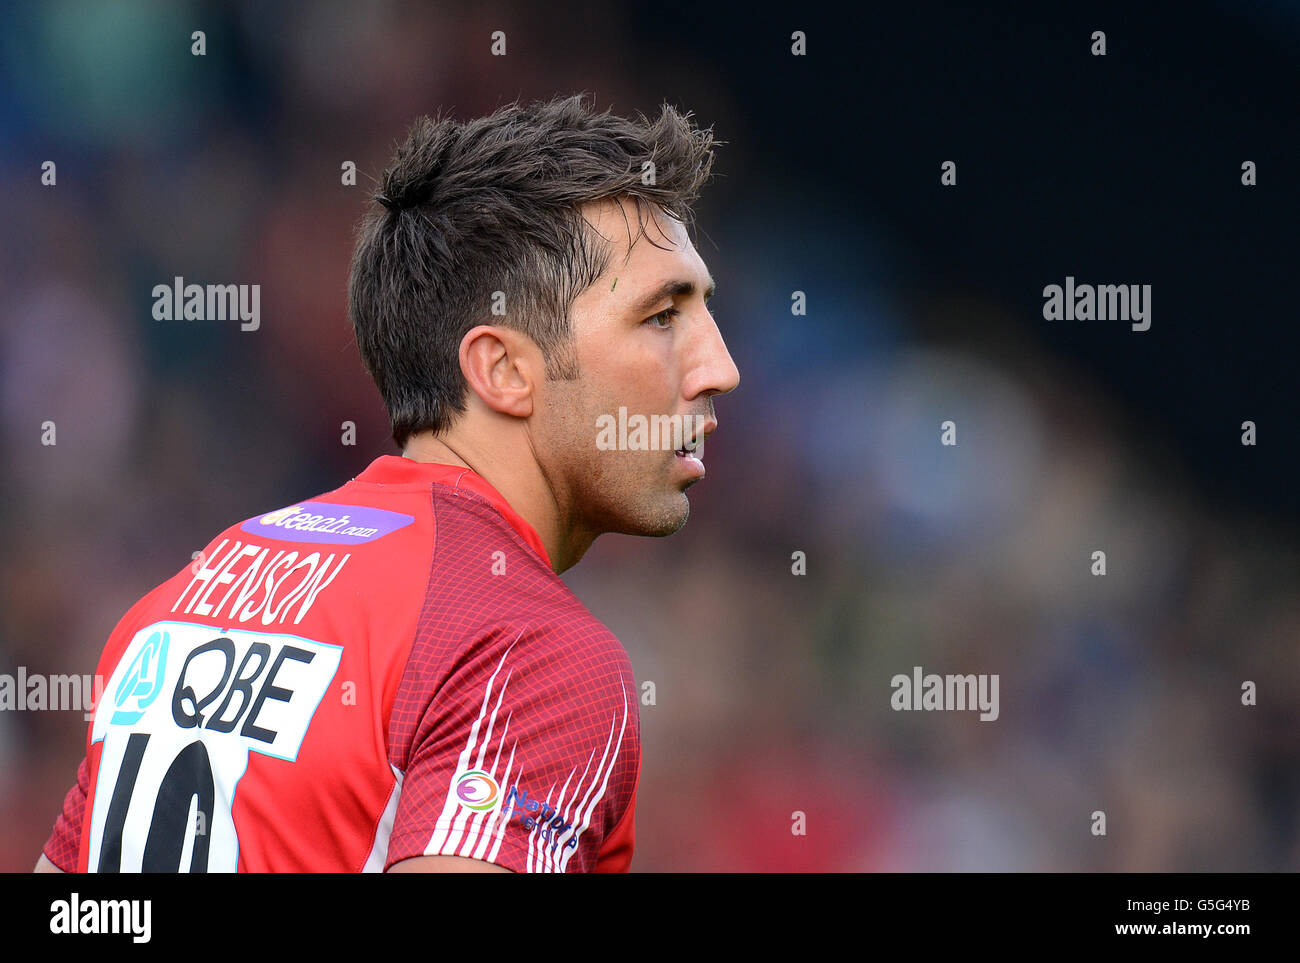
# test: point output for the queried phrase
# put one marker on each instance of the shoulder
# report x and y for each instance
(486, 579)
(499, 631)
(543, 663)
(527, 750)
(473, 533)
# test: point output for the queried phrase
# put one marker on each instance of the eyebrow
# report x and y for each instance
(674, 289)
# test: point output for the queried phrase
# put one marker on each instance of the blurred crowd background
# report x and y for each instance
(1119, 693)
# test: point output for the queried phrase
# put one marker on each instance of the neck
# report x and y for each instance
(529, 493)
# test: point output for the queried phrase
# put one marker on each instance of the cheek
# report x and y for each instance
(580, 411)
(641, 380)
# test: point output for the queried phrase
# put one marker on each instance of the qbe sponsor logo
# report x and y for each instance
(189, 704)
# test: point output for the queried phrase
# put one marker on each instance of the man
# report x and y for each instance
(392, 675)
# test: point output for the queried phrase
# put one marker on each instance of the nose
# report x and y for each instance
(712, 370)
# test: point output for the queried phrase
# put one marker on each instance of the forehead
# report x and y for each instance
(644, 243)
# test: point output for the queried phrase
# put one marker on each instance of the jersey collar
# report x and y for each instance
(400, 470)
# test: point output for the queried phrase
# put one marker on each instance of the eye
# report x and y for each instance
(667, 317)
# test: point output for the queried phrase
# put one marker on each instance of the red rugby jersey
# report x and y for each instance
(388, 670)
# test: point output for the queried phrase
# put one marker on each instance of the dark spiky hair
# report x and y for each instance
(494, 205)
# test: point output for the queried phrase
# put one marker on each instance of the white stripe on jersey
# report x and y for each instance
(464, 832)
(451, 824)
(379, 850)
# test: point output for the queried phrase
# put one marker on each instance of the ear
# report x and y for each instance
(502, 366)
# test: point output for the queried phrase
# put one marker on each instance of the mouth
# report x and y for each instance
(691, 457)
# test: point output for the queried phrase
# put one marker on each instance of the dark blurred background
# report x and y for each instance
(1119, 693)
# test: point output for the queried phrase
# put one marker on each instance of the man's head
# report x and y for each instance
(530, 273)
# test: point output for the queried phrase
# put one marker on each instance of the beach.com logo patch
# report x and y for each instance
(325, 522)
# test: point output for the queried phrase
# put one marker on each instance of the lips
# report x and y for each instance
(691, 457)
(696, 444)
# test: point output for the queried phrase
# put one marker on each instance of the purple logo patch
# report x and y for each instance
(325, 522)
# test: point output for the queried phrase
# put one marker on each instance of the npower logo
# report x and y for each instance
(477, 790)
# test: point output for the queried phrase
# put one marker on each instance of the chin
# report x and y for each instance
(660, 521)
